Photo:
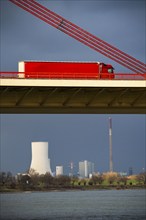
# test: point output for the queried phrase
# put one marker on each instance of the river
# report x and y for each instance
(74, 205)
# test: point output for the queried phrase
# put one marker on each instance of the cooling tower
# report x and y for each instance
(40, 162)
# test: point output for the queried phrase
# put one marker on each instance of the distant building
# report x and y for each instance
(71, 165)
(123, 173)
(86, 168)
(59, 170)
(130, 171)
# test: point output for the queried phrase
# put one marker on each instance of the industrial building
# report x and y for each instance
(59, 170)
(86, 169)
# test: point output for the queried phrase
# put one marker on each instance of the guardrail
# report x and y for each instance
(45, 75)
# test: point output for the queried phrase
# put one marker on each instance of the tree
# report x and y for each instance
(141, 178)
(74, 179)
(10, 180)
(111, 177)
(97, 179)
(62, 181)
(34, 177)
(7, 180)
(2, 178)
(122, 179)
(46, 179)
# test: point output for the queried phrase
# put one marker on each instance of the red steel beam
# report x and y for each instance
(57, 75)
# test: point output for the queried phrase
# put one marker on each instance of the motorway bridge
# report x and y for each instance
(73, 96)
(118, 96)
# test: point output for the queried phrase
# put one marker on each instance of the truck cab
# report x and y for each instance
(107, 71)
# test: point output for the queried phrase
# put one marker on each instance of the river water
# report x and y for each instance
(73, 205)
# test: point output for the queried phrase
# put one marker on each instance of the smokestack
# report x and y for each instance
(110, 146)
(40, 162)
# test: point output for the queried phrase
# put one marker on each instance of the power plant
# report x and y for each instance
(40, 162)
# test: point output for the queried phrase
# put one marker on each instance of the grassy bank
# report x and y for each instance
(70, 187)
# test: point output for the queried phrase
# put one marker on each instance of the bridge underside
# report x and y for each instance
(73, 100)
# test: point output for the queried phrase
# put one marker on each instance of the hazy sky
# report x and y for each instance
(73, 137)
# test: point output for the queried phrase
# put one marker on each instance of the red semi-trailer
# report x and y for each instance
(65, 70)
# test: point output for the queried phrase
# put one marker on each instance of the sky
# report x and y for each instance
(73, 137)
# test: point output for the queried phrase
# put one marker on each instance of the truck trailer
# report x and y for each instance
(64, 70)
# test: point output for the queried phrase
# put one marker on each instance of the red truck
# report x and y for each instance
(65, 70)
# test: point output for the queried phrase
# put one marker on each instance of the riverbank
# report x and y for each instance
(72, 188)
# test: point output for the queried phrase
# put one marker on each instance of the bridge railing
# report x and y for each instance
(83, 76)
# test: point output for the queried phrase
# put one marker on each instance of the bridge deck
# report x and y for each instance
(73, 96)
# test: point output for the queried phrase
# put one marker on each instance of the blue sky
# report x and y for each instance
(73, 137)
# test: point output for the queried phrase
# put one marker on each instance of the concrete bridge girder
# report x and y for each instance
(78, 96)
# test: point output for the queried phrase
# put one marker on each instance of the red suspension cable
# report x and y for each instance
(63, 25)
(81, 35)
